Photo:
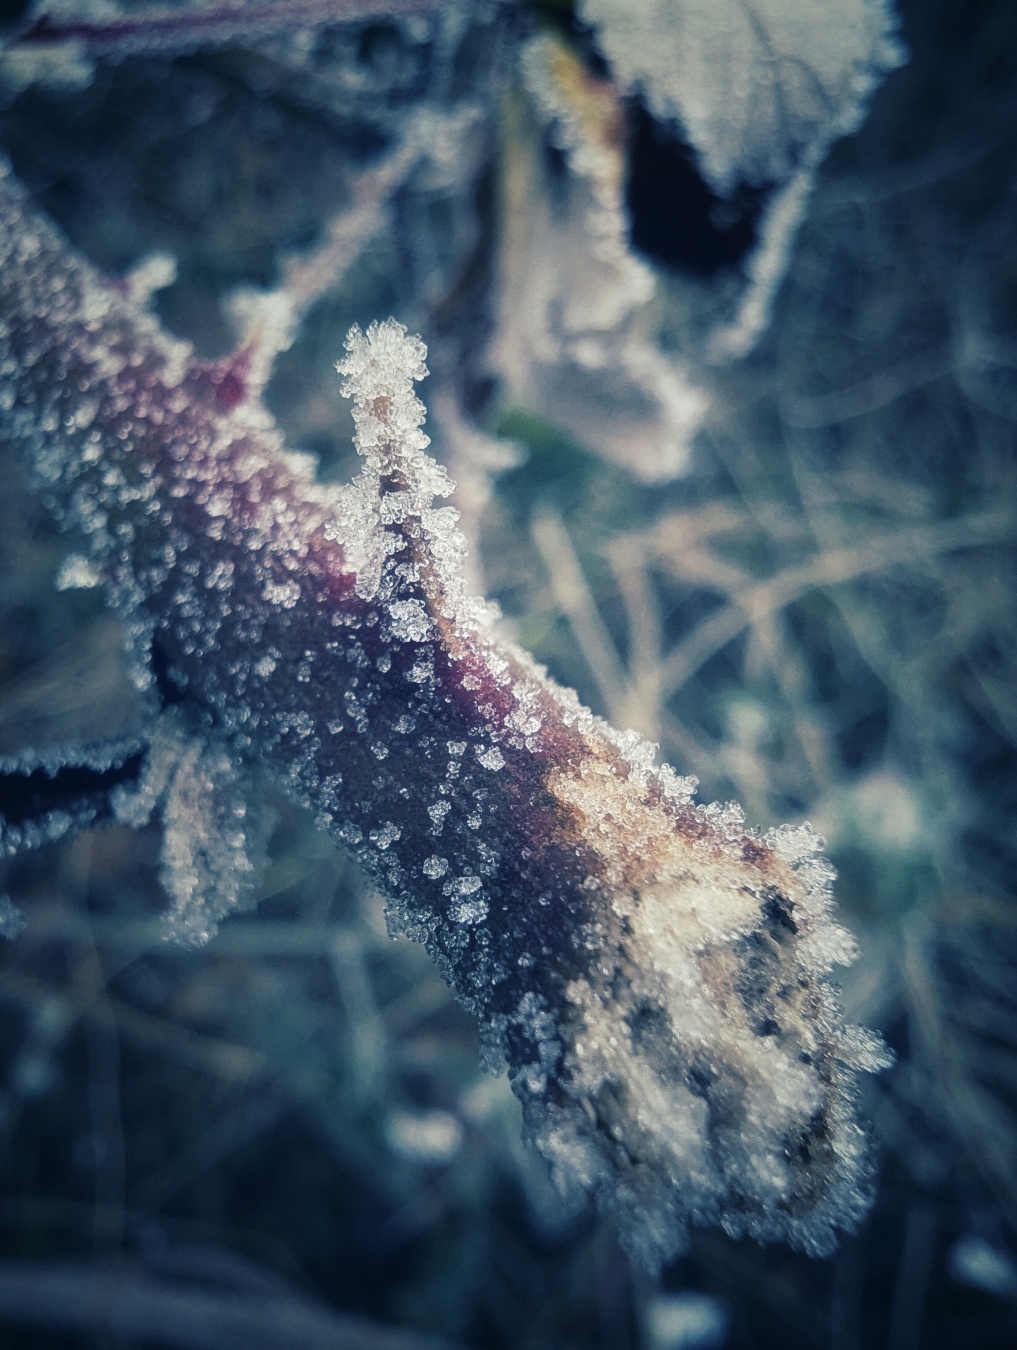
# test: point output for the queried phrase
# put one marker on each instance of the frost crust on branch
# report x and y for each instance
(652, 972)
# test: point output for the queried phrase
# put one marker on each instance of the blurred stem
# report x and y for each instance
(135, 1306)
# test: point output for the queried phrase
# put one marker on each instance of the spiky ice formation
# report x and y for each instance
(652, 972)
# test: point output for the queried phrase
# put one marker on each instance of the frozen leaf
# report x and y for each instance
(761, 88)
(575, 338)
(761, 91)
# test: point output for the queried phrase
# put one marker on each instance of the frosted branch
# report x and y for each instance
(652, 972)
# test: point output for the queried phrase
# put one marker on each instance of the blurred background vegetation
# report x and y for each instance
(817, 619)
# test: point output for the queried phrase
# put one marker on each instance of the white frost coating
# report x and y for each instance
(212, 842)
(266, 324)
(69, 780)
(626, 283)
(395, 491)
(382, 365)
(675, 788)
(652, 972)
(211, 849)
(410, 622)
(151, 275)
(765, 266)
(758, 86)
(707, 1041)
(76, 573)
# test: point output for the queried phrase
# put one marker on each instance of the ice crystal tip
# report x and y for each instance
(378, 372)
(383, 362)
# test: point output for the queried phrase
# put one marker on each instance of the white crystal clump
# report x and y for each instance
(391, 500)
(212, 840)
(378, 374)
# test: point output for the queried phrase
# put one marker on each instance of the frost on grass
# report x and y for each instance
(652, 972)
(45, 796)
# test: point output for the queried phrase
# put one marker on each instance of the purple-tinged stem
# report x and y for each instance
(653, 972)
(177, 30)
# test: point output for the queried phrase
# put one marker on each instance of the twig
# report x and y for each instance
(572, 594)
(181, 29)
(135, 1306)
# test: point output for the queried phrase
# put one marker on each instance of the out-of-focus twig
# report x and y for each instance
(832, 567)
(78, 1297)
(573, 596)
(175, 30)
